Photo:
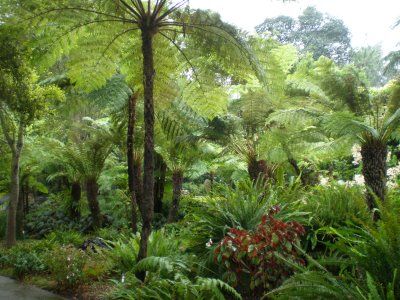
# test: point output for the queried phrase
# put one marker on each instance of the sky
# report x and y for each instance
(370, 21)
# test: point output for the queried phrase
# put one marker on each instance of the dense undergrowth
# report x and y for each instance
(245, 241)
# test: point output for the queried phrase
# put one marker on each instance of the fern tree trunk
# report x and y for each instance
(92, 189)
(76, 193)
(374, 154)
(132, 181)
(258, 170)
(147, 205)
(177, 181)
(160, 173)
(16, 149)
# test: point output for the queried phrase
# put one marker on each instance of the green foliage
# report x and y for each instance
(26, 258)
(161, 244)
(50, 216)
(24, 261)
(335, 205)
(66, 238)
(240, 207)
(315, 285)
(171, 279)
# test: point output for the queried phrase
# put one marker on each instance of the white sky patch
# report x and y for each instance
(370, 21)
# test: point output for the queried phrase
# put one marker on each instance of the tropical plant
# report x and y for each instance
(254, 258)
(373, 134)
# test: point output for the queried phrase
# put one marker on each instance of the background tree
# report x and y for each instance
(370, 60)
(22, 101)
(313, 32)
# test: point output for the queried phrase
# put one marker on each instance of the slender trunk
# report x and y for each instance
(374, 156)
(26, 199)
(177, 180)
(13, 202)
(20, 210)
(161, 170)
(92, 190)
(76, 192)
(16, 149)
(130, 158)
(147, 205)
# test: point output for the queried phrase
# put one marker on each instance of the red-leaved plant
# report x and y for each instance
(251, 257)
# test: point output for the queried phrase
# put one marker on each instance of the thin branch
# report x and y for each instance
(139, 6)
(131, 10)
(171, 10)
(157, 9)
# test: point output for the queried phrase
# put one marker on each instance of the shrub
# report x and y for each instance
(97, 266)
(258, 257)
(66, 265)
(24, 263)
(241, 207)
(24, 259)
(48, 216)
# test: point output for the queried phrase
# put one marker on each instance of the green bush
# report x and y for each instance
(67, 264)
(24, 259)
(241, 207)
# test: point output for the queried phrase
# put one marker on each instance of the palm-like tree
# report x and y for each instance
(158, 18)
(84, 159)
(373, 134)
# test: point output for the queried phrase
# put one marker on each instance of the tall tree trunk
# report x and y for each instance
(160, 173)
(13, 202)
(177, 180)
(76, 193)
(147, 205)
(130, 138)
(92, 190)
(374, 154)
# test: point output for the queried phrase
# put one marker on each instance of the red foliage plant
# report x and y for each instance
(251, 257)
